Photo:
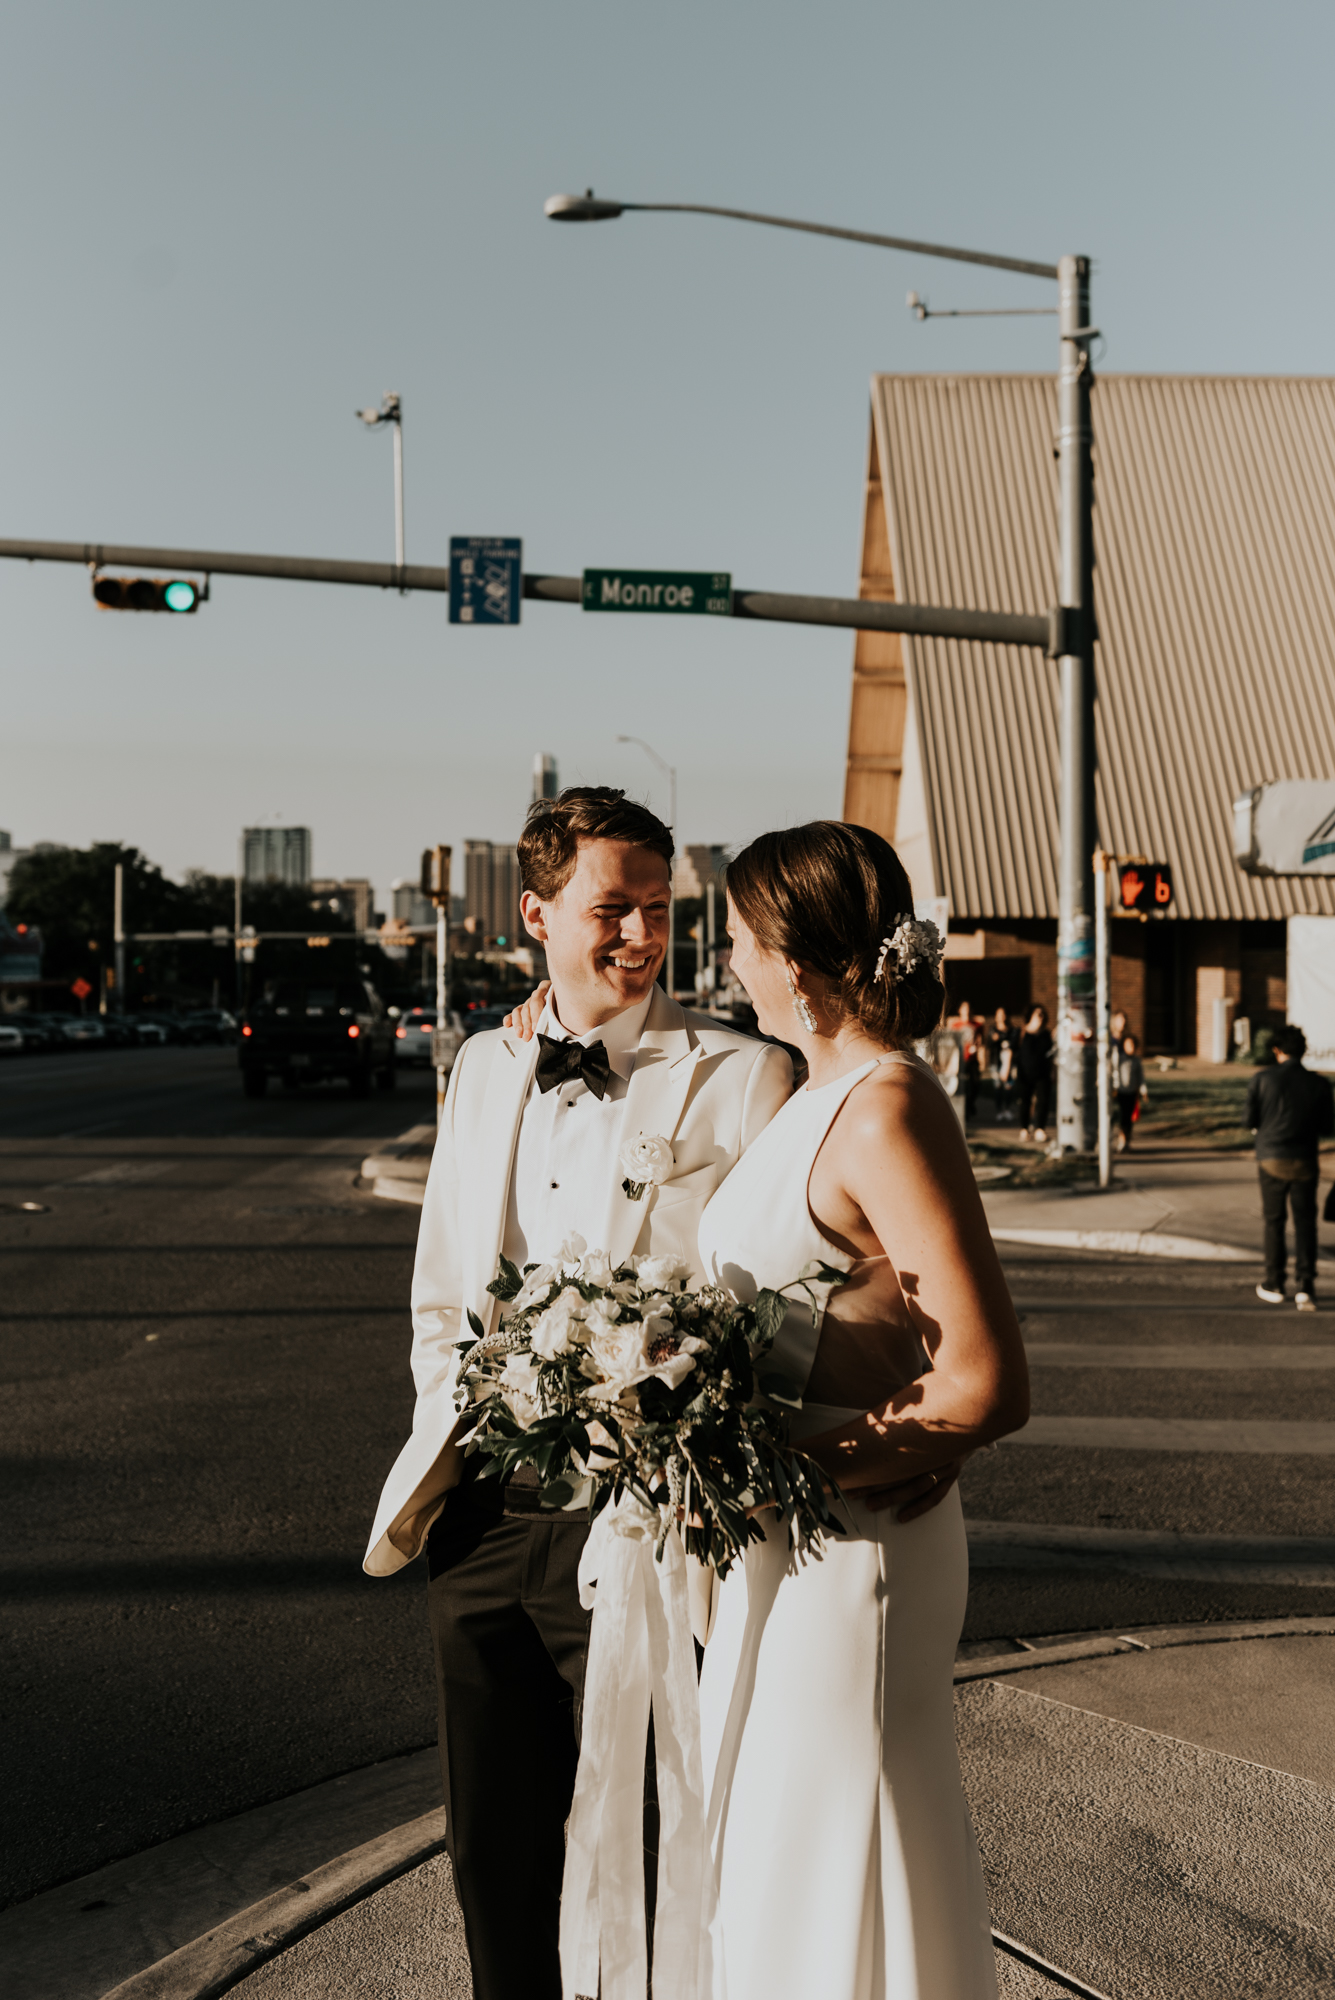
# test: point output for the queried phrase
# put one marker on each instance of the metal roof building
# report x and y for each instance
(1215, 585)
(1214, 530)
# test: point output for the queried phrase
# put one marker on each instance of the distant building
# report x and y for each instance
(491, 891)
(696, 868)
(410, 906)
(353, 897)
(277, 854)
(545, 782)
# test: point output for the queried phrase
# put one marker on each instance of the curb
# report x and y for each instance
(213, 1964)
(398, 1172)
(1103, 1644)
(1130, 1243)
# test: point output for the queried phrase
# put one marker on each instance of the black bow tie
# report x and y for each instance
(562, 1062)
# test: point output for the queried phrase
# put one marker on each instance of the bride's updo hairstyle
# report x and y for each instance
(826, 896)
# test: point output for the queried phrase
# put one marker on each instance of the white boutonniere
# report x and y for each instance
(647, 1161)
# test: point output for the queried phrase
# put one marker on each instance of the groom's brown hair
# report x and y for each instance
(548, 848)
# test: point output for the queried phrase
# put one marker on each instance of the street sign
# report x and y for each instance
(1143, 886)
(80, 989)
(690, 593)
(486, 579)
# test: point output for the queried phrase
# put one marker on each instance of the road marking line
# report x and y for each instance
(1063, 1354)
(1218, 1434)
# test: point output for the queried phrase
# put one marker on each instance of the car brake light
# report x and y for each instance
(247, 1029)
(400, 1032)
(354, 1031)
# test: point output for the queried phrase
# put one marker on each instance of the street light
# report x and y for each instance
(391, 412)
(670, 769)
(1076, 1097)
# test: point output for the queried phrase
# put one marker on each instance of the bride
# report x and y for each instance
(845, 1857)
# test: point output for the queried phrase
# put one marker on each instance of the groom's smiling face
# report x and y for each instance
(606, 933)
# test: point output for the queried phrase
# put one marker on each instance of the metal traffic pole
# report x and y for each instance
(1077, 1122)
(119, 936)
(391, 412)
(1075, 637)
(1101, 1008)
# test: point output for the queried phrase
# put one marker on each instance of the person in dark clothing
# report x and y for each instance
(1001, 1040)
(1291, 1110)
(1033, 1070)
(1130, 1076)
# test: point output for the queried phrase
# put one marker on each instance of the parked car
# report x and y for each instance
(119, 1032)
(413, 1036)
(11, 1041)
(148, 1033)
(301, 1033)
(40, 1037)
(479, 1018)
(168, 1026)
(208, 1024)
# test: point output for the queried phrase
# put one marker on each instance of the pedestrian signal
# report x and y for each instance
(146, 593)
(1143, 886)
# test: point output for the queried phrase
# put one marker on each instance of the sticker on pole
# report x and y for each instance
(486, 579)
(680, 593)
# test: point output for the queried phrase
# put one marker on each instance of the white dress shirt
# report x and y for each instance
(566, 1152)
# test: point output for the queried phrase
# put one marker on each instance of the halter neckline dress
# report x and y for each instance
(846, 1860)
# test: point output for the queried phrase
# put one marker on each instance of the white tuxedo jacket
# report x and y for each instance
(703, 1088)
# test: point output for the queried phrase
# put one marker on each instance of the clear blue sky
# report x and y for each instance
(224, 228)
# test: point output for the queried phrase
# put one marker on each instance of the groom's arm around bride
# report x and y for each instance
(528, 1153)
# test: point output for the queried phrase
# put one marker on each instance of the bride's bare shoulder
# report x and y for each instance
(901, 1100)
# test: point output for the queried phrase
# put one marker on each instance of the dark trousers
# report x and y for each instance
(509, 1639)
(1127, 1100)
(1033, 1096)
(1277, 1195)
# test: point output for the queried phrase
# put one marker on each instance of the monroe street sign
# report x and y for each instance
(694, 593)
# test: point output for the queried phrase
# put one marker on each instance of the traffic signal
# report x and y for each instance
(435, 882)
(1143, 886)
(147, 593)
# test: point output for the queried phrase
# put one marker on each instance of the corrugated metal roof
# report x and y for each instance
(1215, 595)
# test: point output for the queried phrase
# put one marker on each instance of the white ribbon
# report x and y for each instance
(641, 1659)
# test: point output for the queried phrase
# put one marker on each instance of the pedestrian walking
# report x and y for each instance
(1001, 1040)
(970, 1029)
(1033, 1068)
(1132, 1089)
(1290, 1109)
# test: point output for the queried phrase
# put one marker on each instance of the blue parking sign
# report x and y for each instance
(486, 579)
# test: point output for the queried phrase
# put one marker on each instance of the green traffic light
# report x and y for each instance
(180, 596)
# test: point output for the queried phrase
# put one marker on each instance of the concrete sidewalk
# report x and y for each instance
(1155, 1809)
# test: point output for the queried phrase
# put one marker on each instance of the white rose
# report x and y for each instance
(571, 1251)
(596, 1268)
(602, 1312)
(535, 1287)
(556, 1330)
(657, 1274)
(646, 1159)
(519, 1388)
(616, 1358)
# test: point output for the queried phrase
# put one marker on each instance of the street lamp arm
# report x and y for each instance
(579, 208)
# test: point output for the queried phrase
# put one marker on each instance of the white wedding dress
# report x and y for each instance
(846, 1861)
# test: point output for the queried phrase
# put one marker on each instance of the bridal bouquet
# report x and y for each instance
(620, 1385)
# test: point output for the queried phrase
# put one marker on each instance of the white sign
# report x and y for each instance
(1311, 986)
(1287, 828)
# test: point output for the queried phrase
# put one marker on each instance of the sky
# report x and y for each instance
(226, 229)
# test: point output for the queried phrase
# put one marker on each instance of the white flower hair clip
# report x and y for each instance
(913, 941)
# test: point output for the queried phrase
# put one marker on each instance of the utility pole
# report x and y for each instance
(1102, 1008)
(1077, 1123)
(118, 928)
(711, 945)
(435, 883)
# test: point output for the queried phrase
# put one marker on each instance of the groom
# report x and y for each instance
(527, 1153)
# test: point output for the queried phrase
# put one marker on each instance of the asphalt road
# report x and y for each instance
(204, 1352)
(204, 1345)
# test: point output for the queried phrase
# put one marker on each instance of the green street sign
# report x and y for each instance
(679, 592)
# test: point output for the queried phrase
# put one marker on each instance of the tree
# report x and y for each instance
(69, 894)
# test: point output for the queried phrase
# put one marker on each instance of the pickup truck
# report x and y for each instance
(301, 1033)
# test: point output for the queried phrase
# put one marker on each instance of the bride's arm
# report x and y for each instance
(895, 1166)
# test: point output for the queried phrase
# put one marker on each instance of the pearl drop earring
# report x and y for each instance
(801, 1007)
